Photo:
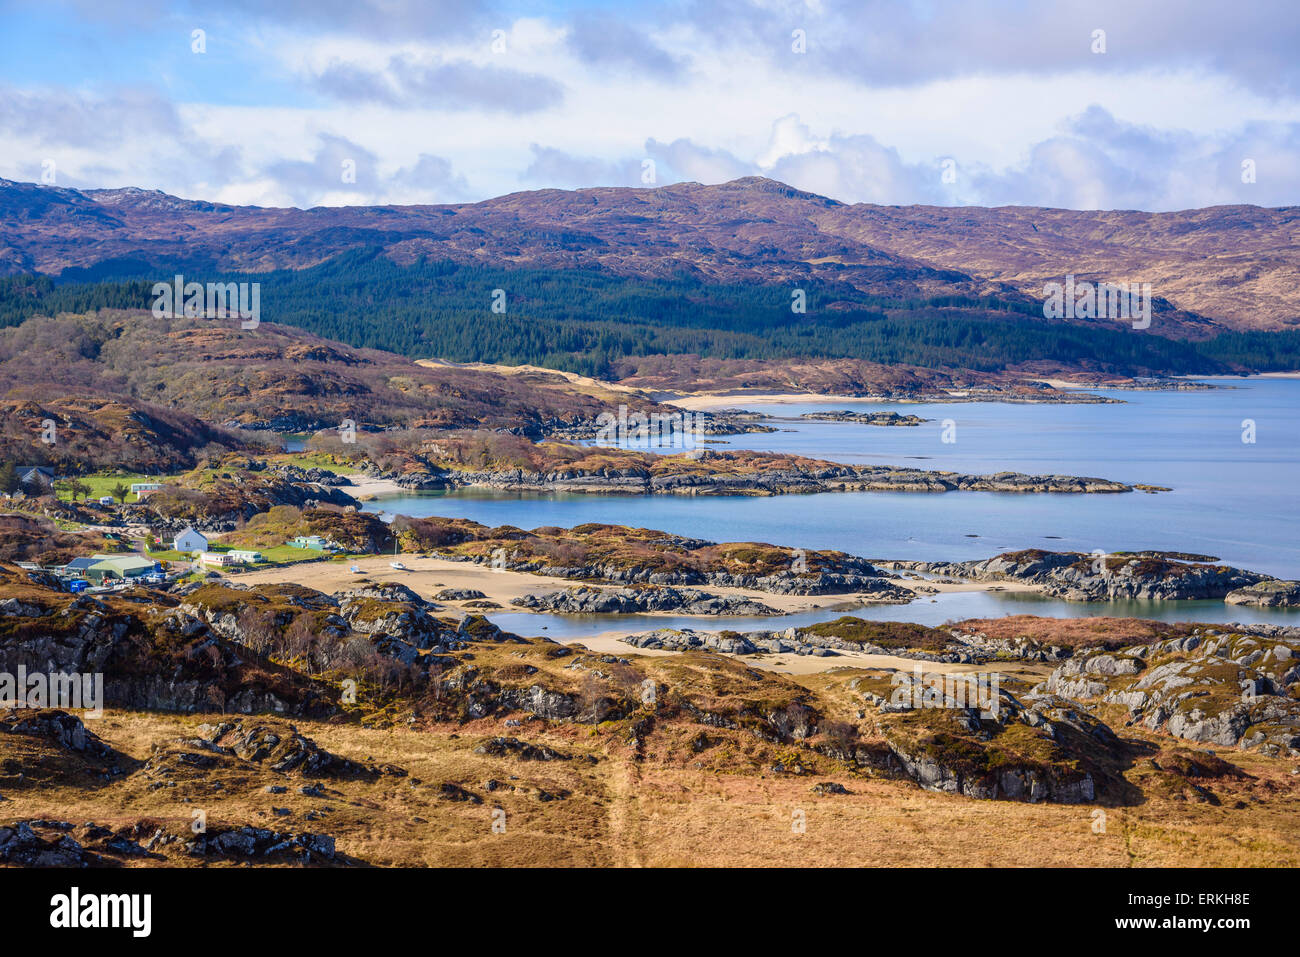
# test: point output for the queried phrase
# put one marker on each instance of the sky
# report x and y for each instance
(1105, 104)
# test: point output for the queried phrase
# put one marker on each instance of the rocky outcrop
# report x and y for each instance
(278, 746)
(866, 418)
(47, 843)
(219, 647)
(399, 621)
(863, 579)
(1270, 593)
(871, 585)
(22, 846)
(310, 476)
(480, 697)
(838, 478)
(156, 658)
(502, 747)
(254, 843)
(622, 555)
(792, 641)
(962, 649)
(57, 728)
(238, 494)
(727, 643)
(1040, 750)
(714, 422)
(981, 647)
(1075, 576)
(459, 594)
(585, 600)
(1235, 686)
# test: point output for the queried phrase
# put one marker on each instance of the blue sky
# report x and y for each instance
(984, 102)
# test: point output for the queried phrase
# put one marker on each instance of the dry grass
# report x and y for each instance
(1074, 632)
(718, 805)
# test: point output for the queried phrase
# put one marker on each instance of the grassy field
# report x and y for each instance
(309, 460)
(103, 483)
(599, 805)
(272, 555)
(280, 554)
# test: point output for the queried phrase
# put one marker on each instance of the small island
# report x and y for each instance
(865, 418)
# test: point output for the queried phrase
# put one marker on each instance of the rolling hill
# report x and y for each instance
(601, 281)
(1235, 265)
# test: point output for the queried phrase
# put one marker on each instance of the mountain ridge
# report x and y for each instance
(1223, 267)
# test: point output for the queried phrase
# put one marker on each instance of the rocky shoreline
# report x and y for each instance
(1190, 686)
(584, 600)
(866, 418)
(832, 478)
(1271, 593)
(961, 648)
(1150, 576)
(716, 422)
(856, 576)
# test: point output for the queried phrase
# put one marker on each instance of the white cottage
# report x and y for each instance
(190, 541)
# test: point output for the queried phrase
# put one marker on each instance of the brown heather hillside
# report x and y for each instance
(1102, 632)
(270, 377)
(93, 431)
(35, 538)
(1239, 265)
(236, 700)
(691, 373)
(1235, 265)
(613, 547)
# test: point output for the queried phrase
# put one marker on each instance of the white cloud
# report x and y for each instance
(884, 93)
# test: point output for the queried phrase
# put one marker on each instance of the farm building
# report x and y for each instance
(77, 567)
(120, 566)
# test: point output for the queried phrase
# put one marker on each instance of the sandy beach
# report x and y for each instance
(1067, 384)
(608, 643)
(367, 487)
(747, 399)
(428, 576)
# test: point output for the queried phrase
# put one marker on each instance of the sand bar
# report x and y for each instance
(367, 487)
(746, 399)
(428, 576)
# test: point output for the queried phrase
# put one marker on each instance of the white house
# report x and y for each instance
(190, 541)
(35, 476)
